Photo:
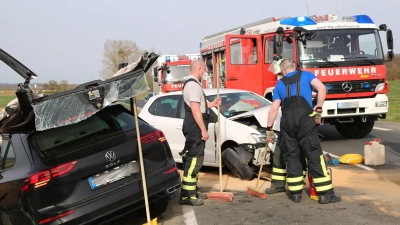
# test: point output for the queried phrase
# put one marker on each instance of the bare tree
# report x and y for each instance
(64, 85)
(52, 85)
(116, 52)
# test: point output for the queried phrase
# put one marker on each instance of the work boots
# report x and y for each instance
(296, 198)
(201, 195)
(329, 197)
(193, 201)
(274, 189)
(190, 201)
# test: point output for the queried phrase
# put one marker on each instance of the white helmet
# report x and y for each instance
(275, 68)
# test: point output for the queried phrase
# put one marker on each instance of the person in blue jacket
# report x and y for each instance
(298, 132)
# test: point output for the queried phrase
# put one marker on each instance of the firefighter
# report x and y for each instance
(194, 129)
(298, 132)
(278, 178)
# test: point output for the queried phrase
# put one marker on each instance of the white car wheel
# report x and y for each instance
(231, 159)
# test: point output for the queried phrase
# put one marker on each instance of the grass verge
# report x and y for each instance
(394, 102)
(5, 98)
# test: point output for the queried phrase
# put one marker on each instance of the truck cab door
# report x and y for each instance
(269, 79)
(244, 60)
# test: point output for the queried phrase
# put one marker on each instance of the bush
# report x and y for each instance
(393, 68)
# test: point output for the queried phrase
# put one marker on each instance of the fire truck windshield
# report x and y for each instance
(177, 73)
(332, 48)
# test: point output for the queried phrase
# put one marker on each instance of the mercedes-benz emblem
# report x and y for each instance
(110, 156)
(346, 86)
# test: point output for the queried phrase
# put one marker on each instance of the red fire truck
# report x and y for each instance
(170, 71)
(347, 56)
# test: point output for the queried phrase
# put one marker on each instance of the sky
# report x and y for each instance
(64, 40)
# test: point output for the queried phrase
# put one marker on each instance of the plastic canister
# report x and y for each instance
(374, 153)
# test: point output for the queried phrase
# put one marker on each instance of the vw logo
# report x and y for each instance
(346, 86)
(110, 156)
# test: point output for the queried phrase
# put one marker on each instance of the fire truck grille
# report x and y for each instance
(343, 87)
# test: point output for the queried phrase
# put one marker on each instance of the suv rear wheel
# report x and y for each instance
(231, 159)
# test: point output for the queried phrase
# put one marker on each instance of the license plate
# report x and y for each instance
(114, 174)
(346, 105)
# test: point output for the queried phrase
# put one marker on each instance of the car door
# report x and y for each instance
(164, 117)
(210, 155)
(14, 166)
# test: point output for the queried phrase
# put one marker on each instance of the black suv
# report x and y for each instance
(85, 172)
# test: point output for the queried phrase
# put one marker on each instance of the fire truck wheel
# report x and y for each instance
(231, 159)
(355, 130)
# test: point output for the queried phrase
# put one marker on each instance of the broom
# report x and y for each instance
(146, 200)
(220, 196)
(255, 191)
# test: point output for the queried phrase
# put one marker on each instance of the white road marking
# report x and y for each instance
(188, 215)
(358, 165)
(365, 167)
(335, 156)
(380, 128)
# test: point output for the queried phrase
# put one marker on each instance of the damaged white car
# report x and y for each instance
(243, 118)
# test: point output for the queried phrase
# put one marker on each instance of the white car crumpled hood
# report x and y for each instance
(261, 115)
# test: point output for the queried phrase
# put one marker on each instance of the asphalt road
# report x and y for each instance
(388, 132)
(369, 194)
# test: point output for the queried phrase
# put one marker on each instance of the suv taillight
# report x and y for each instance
(41, 178)
(153, 136)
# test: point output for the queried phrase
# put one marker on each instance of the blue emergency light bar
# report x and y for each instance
(298, 21)
(305, 20)
(167, 59)
(363, 19)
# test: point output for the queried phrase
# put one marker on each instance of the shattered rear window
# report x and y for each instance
(103, 124)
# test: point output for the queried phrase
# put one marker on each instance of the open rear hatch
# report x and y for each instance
(72, 106)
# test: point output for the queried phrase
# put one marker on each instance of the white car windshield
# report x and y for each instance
(239, 102)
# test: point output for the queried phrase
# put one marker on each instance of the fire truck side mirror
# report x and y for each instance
(389, 39)
(390, 55)
(278, 44)
(310, 35)
(166, 68)
(155, 74)
(383, 27)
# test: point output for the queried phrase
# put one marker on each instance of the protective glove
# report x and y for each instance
(271, 136)
(317, 114)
